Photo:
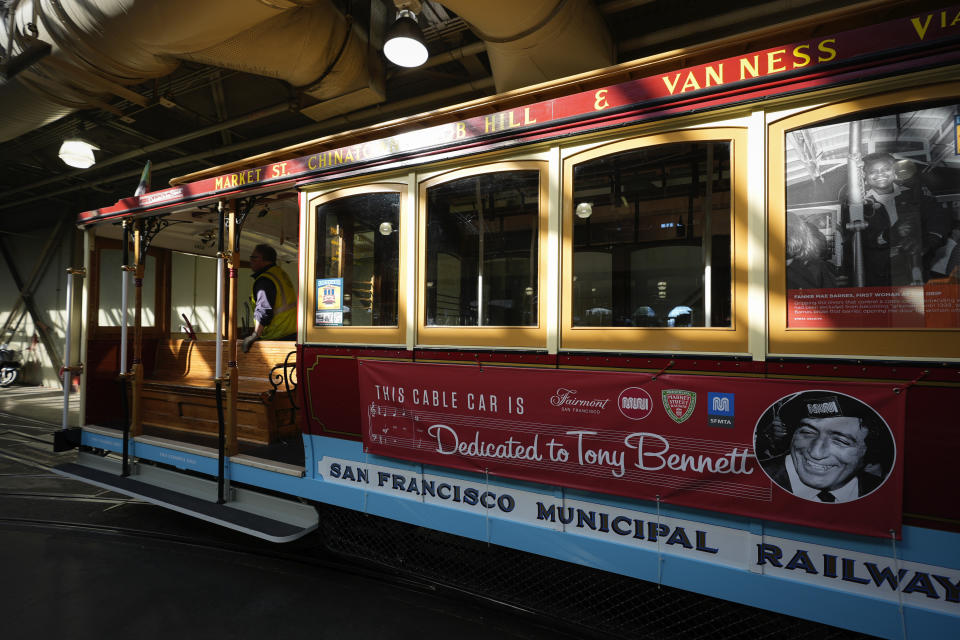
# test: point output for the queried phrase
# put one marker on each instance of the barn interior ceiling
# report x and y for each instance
(141, 86)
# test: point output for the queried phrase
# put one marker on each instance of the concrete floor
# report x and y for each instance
(38, 403)
(79, 562)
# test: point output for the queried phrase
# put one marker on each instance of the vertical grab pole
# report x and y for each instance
(218, 380)
(124, 301)
(231, 430)
(68, 347)
(708, 241)
(124, 319)
(136, 425)
(480, 224)
(219, 321)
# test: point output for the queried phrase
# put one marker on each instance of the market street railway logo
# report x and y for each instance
(679, 404)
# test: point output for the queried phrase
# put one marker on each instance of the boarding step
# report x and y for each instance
(264, 516)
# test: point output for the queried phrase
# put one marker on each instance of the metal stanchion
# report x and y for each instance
(68, 368)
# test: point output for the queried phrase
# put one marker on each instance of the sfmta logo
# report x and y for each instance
(720, 409)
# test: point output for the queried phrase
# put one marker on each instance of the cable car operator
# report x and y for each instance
(274, 299)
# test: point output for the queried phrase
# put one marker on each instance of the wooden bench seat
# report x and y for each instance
(180, 393)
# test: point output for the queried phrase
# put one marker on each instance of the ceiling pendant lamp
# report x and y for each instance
(78, 153)
(404, 45)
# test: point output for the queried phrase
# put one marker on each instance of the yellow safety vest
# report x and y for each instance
(284, 307)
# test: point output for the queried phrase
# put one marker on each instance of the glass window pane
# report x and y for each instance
(639, 254)
(111, 293)
(358, 239)
(195, 295)
(482, 250)
(873, 222)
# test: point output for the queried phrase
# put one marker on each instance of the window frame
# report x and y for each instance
(732, 339)
(162, 307)
(382, 335)
(901, 343)
(529, 337)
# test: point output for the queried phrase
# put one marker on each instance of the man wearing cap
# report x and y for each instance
(829, 449)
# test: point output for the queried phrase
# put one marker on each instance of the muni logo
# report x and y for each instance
(720, 409)
(635, 403)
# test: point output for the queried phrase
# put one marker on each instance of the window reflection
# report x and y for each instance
(639, 254)
(482, 250)
(358, 240)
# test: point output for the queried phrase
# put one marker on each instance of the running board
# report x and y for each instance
(264, 516)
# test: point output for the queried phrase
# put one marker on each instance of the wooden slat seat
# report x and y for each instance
(180, 393)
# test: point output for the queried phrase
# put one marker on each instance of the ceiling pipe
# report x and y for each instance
(308, 43)
(117, 43)
(535, 41)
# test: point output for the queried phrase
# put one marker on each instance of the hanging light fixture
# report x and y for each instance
(78, 153)
(404, 44)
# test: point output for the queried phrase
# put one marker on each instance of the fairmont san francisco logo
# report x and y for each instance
(679, 404)
(567, 401)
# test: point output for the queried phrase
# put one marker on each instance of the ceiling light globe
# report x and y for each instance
(77, 153)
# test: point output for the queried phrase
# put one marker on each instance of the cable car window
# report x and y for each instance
(357, 260)
(652, 237)
(482, 250)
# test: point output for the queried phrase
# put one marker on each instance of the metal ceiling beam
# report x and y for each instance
(220, 106)
(302, 132)
(719, 21)
(441, 58)
(150, 148)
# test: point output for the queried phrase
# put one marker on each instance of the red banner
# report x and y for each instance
(828, 457)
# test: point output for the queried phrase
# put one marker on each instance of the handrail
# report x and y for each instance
(286, 373)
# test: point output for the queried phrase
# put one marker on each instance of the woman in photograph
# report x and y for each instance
(806, 266)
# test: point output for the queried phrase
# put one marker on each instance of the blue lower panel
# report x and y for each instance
(865, 584)
(854, 582)
(174, 458)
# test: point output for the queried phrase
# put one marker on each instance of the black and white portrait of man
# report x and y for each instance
(824, 446)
